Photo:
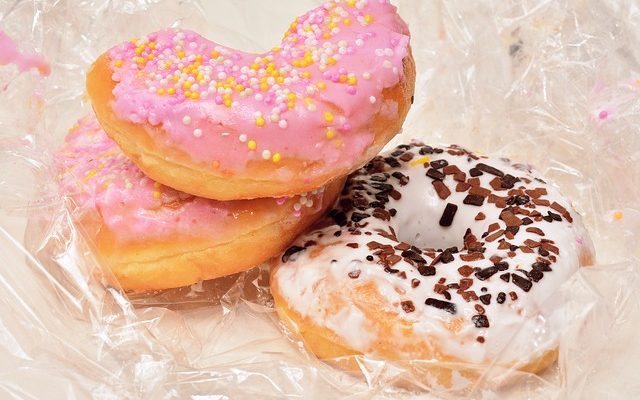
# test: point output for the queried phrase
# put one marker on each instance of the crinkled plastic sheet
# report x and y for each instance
(554, 83)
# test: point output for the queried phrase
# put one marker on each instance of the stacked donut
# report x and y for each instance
(202, 160)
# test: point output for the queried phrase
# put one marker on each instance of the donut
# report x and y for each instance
(223, 124)
(153, 237)
(435, 254)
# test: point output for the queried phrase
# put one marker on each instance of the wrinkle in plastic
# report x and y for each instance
(553, 83)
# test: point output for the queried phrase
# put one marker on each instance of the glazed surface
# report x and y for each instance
(100, 178)
(311, 98)
(462, 253)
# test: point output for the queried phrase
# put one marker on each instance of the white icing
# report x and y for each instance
(312, 280)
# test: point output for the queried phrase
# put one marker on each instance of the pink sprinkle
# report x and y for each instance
(603, 114)
(218, 100)
(352, 90)
(346, 127)
(280, 201)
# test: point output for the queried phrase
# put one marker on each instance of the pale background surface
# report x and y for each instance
(65, 335)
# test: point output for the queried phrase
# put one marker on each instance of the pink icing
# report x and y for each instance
(9, 54)
(98, 176)
(311, 98)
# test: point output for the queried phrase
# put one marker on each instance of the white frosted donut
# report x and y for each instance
(435, 254)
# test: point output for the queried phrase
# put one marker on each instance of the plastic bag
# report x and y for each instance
(555, 84)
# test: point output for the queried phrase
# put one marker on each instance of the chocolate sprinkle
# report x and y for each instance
(486, 273)
(354, 274)
(474, 200)
(407, 306)
(442, 305)
(521, 282)
(489, 169)
(447, 216)
(480, 321)
(291, 251)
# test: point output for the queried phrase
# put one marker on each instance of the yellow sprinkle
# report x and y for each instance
(331, 61)
(617, 215)
(194, 95)
(156, 194)
(187, 85)
(251, 144)
(352, 80)
(160, 91)
(321, 85)
(346, 21)
(276, 157)
(227, 101)
(326, 35)
(90, 174)
(276, 49)
(214, 54)
(239, 88)
(181, 54)
(280, 79)
(306, 74)
(351, 3)
(151, 56)
(152, 45)
(291, 105)
(292, 96)
(330, 133)
(419, 161)
(260, 121)
(264, 86)
(328, 116)
(368, 19)
(118, 63)
(171, 91)
(255, 66)
(139, 50)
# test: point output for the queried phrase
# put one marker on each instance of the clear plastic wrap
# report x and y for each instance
(552, 83)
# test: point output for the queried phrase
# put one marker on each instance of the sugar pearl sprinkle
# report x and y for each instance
(177, 67)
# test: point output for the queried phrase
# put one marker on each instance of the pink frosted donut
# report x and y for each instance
(154, 237)
(220, 123)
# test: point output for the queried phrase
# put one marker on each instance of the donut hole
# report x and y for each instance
(420, 231)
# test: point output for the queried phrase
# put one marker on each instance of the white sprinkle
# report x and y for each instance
(388, 52)
(372, 99)
(197, 132)
(387, 64)
(297, 206)
(225, 134)
(283, 123)
(186, 120)
(242, 138)
(366, 75)
(266, 154)
(359, 42)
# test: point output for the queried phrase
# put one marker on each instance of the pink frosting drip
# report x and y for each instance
(9, 54)
(98, 176)
(330, 71)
